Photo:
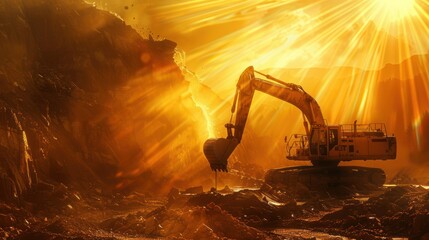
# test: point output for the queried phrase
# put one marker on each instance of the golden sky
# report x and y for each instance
(218, 39)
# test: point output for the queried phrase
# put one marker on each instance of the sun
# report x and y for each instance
(389, 11)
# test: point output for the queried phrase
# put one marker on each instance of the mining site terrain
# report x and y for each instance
(265, 213)
(100, 139)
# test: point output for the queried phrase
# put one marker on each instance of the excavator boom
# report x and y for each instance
(217, 151)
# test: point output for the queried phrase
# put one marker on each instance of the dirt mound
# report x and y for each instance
(263, 209)
(257, 212)
(209, 222)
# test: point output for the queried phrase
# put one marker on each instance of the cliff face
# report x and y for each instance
(86, 101)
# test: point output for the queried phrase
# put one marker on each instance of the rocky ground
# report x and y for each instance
(60, 212)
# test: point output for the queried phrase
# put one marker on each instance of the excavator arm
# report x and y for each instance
(217, 151)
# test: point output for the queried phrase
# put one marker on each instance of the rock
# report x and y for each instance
(113, 224)
(424, 237)
(172, 226)
(44, 186)
(204, 232)
(152, 227)
(6, 220)
(226, 189)
(420, 225)
(399, 211)
(174, 192)
(57, 227)
(194, 190)
(256, 208)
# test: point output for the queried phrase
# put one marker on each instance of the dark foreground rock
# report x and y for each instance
(401, 211)
(67, 213)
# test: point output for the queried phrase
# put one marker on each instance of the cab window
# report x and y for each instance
(333, 138)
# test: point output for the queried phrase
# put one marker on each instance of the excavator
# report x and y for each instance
(325, 146)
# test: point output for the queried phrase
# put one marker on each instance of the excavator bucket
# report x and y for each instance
(217, 152)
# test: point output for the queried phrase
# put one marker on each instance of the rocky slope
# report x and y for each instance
(86, 101)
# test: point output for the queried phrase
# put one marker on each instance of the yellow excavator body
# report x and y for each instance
(324, 146)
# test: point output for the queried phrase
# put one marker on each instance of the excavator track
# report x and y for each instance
(322, 177)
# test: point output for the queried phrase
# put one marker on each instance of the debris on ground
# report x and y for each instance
(401, 211)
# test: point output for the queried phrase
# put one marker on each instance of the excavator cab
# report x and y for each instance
(318, 143)
(323, 140)
(323, 145)
(297, 147)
